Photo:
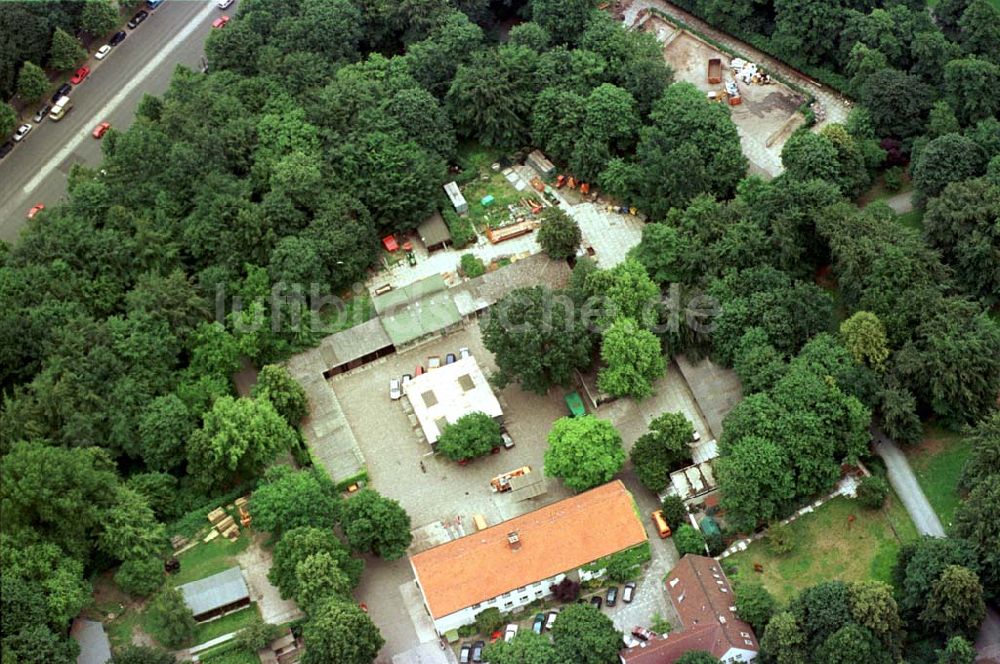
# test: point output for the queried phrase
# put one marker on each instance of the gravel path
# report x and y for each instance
(905, 483)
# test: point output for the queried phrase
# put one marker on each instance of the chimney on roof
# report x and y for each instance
(513, 540)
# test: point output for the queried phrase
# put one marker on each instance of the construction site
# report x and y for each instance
(764, 110)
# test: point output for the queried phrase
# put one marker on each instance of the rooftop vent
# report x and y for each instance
(514, 540)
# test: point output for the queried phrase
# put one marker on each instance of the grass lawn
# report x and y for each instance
(475, 156)
(226, 624)
(209, 558)
(232, 657)
(827, 549)
(120, 629)
(938, 462)
(914, 218)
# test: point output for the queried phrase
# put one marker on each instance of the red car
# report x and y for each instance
(81, 73)
(220, 22)
(101, 129)
(35, 210)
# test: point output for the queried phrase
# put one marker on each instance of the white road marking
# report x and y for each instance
(144, 73)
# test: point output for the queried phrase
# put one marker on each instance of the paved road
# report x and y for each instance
(35, 172)
(903, 480)
(926, 520)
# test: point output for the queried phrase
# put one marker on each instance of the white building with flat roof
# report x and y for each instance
(441, 396)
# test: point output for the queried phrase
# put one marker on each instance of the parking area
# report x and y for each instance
(394, 448)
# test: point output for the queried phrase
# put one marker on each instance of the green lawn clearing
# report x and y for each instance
(828, 547)
(937, 463)
(226, 624)
(913, 219)
(209, 558)
(232, 657)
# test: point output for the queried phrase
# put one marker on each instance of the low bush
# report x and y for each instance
(471, 266)
(872, 492)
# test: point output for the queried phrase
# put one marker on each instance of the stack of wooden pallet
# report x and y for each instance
(224, 523)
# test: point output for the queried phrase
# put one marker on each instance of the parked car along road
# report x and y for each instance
(101, 52)
(508, 442)
(224, 4)
(596, 601)
(81, 74)
(117, 38)
(465, 654)
(101, 129)
(42, 112)
(5, 149)
(139, 17)
(220, 22)
(477, 651)
(536, 627)
(551, 619)
(35, 210)
(510, 632)
(63, 90)
(612, 596)
(21, 132)
(395, 391)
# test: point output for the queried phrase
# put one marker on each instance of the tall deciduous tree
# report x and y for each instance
(65, 50)
(318, 578)
(955, 605)
(130, 529)
(564, 20)
(537, 339)
(633, 360)
(99, 17)
(275, 384)
(289, 499)
(947, 159)
(170, 618)
(755, 605)
(756, 481)
(8, 119)
(586, 636)
(377, 524)
(957, 651)
(784, 640)
(974, 520)
(864, 337)
(32, 83)
(898, 102)
(339, 631)
(296, 545)
(472, 435)
(584, 451)
(238, 437)
(559, 234)
(164, 430)
(963, 222)
(662, 449)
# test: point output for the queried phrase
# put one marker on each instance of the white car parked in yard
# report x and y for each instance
(510, 632)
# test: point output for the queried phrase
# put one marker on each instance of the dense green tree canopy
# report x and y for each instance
(376, 524)
(288, 499)
(537, 338)
(472, 435)
(583, 634)
(633, 360)
(663, 449)
(296, 545)
(559, 235)
(339, 631)
(583, 451)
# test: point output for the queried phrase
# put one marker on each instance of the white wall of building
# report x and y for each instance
(507, 603)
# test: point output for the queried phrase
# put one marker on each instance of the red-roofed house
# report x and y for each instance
(514, 563)
(700, 592)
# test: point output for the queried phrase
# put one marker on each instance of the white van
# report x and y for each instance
(61, 108)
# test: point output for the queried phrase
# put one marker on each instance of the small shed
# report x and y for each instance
(456, 197)
(540, 163)
(434, 233)
(95, 648)
(216, 595)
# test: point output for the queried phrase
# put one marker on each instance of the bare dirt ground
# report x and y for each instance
(768, 114)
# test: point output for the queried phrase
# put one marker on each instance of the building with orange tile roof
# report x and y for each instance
(515, 562)
(703, 598)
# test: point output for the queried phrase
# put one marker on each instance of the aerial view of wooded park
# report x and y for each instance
(454, 331)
